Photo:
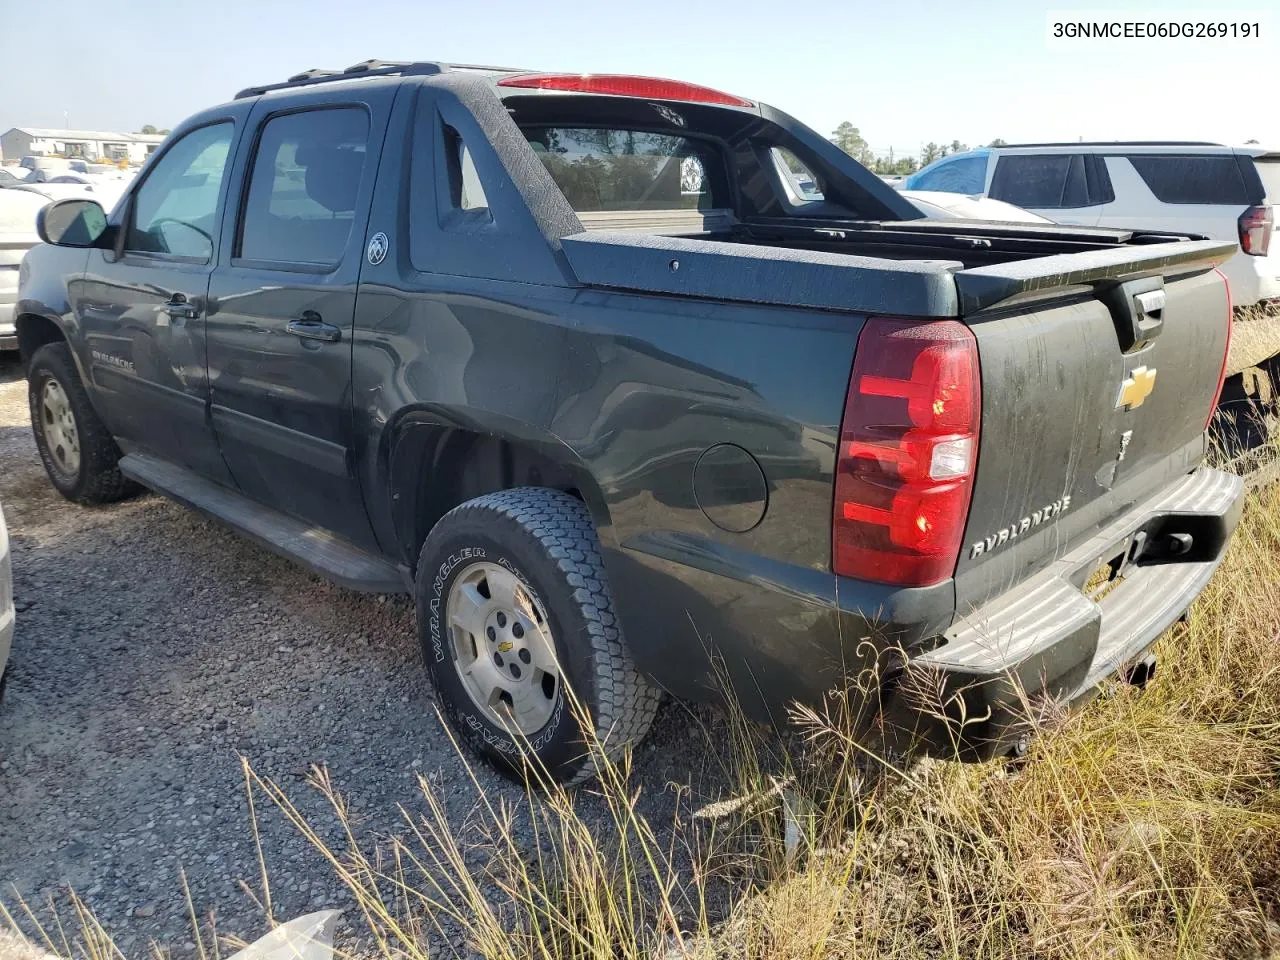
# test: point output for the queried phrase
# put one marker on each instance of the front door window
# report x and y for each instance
(174, 210)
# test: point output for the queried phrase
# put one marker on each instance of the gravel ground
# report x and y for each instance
(153, 648)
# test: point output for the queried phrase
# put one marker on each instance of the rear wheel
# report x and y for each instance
(516, 620)
(79, 453)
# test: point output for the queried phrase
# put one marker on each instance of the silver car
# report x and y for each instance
(6, 601)
(18, 209)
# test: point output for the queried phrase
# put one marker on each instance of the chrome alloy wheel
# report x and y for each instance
(502, 647)
(59, 425)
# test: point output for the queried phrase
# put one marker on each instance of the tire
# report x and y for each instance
(92, 474)
(546, 541)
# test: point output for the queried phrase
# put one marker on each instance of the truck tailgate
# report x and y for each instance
(1099, 371)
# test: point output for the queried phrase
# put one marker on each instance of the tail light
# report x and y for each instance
(1256, 226)
(621, 85)
(1226, 351)
(908, 449)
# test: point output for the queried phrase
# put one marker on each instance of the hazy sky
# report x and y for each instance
(904, 71)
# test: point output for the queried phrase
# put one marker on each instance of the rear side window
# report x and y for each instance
(962, 175)
(1194, 179)
(302, 192)
(599, 169)
(1039, 181)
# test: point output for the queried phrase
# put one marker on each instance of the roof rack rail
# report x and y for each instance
(1115, 143)
(369, 68)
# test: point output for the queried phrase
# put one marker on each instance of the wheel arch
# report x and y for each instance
(438, 460)
(35, 330)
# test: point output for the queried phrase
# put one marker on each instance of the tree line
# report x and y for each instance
(849, 139)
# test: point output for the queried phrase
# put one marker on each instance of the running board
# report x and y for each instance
(317, 550)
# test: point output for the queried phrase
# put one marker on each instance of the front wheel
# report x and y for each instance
(516, 620)
(78, 451)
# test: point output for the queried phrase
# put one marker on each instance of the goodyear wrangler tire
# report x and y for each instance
(78, 451)
(514, 612)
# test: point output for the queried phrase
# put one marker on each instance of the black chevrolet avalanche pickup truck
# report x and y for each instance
(638, 386)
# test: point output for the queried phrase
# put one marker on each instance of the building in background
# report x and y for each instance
(83, 144)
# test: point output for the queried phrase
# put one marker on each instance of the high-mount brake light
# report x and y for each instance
(908, 452)
(622, 85)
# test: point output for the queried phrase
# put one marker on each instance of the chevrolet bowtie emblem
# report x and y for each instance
(1136, 388)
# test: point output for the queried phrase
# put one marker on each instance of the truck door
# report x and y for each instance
(282, 301)
(142, 306)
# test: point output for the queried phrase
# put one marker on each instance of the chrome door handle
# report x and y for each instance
(309, 326)
(179, 308)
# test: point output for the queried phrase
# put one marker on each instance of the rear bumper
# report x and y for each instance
(1252, 278)
(1047, 641)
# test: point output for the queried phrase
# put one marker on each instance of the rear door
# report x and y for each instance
(282, 302)
(1065, 187)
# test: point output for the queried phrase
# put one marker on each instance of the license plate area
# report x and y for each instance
(1102, 578)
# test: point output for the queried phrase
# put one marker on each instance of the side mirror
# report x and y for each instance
(72, 223)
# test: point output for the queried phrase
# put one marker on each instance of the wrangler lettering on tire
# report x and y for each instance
(79, 453)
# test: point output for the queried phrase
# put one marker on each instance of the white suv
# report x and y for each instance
(1226, 193)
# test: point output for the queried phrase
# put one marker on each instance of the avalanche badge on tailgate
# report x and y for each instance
(1136, 387)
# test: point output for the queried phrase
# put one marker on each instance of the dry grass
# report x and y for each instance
(1146, 825)
(1255, 335)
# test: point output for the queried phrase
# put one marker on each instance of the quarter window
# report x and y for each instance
(1196, 179)
(470, 189)
(302, 192)
(174, 210)
(798, 181)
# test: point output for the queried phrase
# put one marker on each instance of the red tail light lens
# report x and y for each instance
(1226, 351)
(619, 85)
(908, 449)
(1256, 226)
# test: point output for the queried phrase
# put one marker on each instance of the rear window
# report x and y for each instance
(601, 169)
(1194, 179)
(1048, 180)
(1269, 171)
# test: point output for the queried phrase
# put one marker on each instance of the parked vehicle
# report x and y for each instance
(18, 209)
(11, 176)
(105, 189)
(940, 205)
(572, 360)
(96, 169)
(6, 604)
(1199, 189)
